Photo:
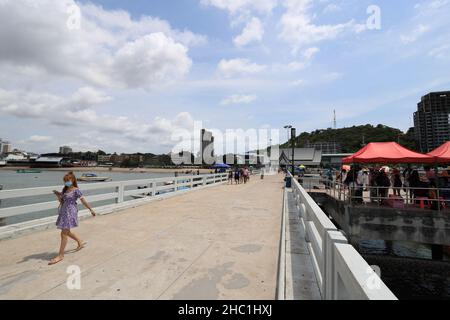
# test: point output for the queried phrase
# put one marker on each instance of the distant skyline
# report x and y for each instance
(127, 74)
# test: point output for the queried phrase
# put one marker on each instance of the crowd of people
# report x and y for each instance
(239, 176)
(411, 183)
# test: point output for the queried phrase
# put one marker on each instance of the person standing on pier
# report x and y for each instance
(68, 214)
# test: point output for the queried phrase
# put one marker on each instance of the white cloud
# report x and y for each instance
(310, 53)
(435, 4)
(299, 30)
(441, 52)
(236, 6)
(150, 61)
(298, 83)
(37, 139)
(296, 66)
(65, 111)
(233, 67)
(253, 32)
(332, 8)
(332, 76)
(238, 99)
(110, 49)
(25, 104)
(415, 34)
(125, 28)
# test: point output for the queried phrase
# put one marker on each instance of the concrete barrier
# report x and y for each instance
(341, 271)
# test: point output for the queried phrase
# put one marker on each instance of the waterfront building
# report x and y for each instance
(325, 147)
(432, 121)
(65, 150)
(334, 160)
(309, 157)
(6, 147)
(104, 158)
(88, 163)
(50, 162)
(206, 147)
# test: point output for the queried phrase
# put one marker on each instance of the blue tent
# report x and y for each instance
(221, 166)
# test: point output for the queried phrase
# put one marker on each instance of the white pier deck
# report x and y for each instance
(217, 243)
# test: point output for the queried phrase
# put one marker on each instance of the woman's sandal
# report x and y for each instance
(83, 245)
(55, 261)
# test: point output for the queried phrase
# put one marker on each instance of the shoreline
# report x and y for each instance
(107, 169)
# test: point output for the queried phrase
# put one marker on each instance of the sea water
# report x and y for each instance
(11, 180)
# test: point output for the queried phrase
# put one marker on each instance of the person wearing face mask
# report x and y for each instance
(68, 214)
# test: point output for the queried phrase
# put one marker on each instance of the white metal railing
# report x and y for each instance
(341, 271)
(117, 191)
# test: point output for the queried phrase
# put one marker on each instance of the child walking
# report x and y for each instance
(68, 214)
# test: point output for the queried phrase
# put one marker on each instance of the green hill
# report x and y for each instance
(352, 139)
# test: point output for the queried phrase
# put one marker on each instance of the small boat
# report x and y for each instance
(140, 196)
(92, 177)
(29, 171)
(2, 163)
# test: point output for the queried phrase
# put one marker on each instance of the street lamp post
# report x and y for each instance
(288, 127)
(293, 136)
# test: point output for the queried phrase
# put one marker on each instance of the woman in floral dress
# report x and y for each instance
(68, 214)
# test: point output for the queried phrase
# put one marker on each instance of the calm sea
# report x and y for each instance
(13, 180)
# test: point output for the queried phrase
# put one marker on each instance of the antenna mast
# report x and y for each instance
(335, 122)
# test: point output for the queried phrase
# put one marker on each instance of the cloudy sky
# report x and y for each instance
(123, 75)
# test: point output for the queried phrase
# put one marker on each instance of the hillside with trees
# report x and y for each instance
(354, 138)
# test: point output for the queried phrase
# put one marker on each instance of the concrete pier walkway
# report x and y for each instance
(217, 243)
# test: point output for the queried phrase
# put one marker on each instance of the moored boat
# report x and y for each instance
(92, 177)
(29, 171)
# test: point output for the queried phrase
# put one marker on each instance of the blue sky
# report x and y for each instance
(132, 72)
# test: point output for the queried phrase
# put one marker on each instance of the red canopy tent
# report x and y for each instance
(441, 154)
(387, 153)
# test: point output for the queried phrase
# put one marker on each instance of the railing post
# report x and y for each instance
(331, 238)
(120, 190)
(153, 189)
(204, 181)
(175, 183)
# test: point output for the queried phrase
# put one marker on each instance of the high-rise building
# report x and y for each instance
(432, 121)
(6, 147)
(207, 147)
(65, 150)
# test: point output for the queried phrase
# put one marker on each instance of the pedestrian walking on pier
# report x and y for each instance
(230, 177)
(237, 176)
(68, 214)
